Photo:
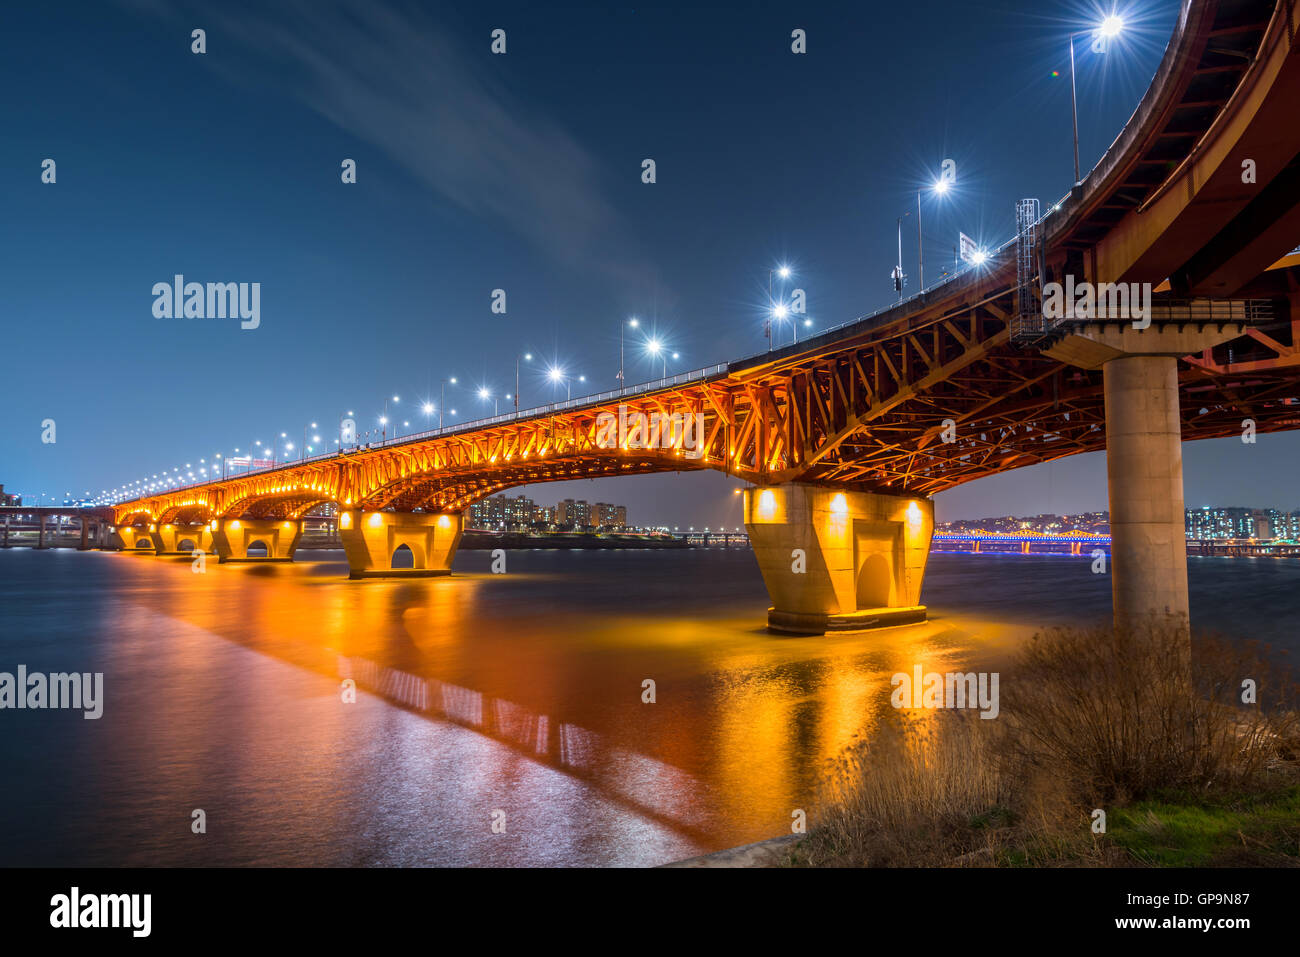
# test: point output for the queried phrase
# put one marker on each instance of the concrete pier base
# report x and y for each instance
(1144, 470)
(169, 538)
(839, 560)
(1144, 457)
(370, 540)
(233, 537)
(132, 538)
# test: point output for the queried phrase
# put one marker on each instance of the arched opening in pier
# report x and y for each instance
(145, 542)
(403, 557)
(874, 581)
(186, 545)
(258, 549)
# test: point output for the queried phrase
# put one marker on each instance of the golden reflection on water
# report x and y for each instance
(744, 724)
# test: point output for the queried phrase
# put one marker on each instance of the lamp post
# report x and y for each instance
(527, 357)
(1108, 28)
(940, 187)
(657, 350)
(784, 273)
(557, 375)
(443, 403)
(633, 323)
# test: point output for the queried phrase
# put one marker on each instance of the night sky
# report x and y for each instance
(520, 172)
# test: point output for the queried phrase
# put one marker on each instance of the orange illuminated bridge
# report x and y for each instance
(845, 438)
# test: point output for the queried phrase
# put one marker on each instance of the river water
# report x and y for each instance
(499, 719)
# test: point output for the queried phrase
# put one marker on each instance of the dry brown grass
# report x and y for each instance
(1090, 718)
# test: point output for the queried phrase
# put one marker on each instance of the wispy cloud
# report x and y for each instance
(394, 79)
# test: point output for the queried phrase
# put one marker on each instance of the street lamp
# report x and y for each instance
(784, 272)
(527, 357)
(940, 187)
(656, 349)
(484, 394)
(304, 439)
(556, 375)
(1108, 28)
(443, 404)
(633, 323)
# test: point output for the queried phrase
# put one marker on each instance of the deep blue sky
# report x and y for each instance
(520, 172)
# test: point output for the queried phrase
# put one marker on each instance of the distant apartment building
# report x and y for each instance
(9, 499)
(488, 513)
(605, 515)
(581, 514)
(1257, 523)
(571, 514)
(502, 513)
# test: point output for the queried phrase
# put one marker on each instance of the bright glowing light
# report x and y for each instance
(483, 393)
(443, 521)
(839, 504)
(427, 408)
(376, 520)
(780, 311)
(766, 503)
(941, 187)
(383, 420)
(978, 257)
(632, 322)
(654, 346)
(913, 513)
(554, 374)
(1111, 26)
(784, 272)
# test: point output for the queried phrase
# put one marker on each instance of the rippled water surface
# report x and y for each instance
(513, 698)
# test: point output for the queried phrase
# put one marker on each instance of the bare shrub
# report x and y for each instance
(1089, 718)
(1118, 715)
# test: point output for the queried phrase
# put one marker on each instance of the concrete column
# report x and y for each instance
(371, 538)
(1144, 469)
(85, 534)
(232, 537)
(839, 560)
(40, 535)
(6, 538)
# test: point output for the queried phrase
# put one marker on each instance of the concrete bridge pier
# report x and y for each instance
(1144, 458)
(130, 537)
(168, 538)
(838, 560)
(232, 538)
(370, 540)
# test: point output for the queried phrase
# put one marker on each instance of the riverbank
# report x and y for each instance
(1112, 749)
